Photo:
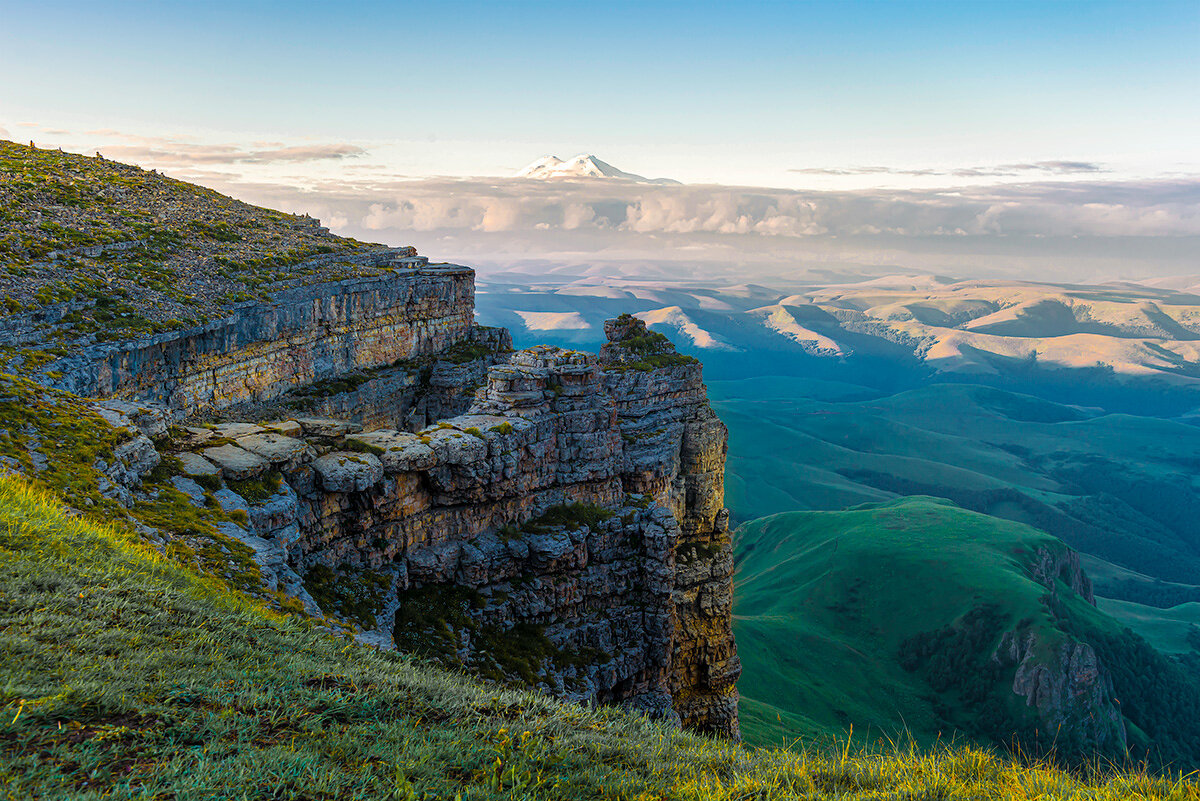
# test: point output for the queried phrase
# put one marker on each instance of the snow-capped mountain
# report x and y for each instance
(582, 166)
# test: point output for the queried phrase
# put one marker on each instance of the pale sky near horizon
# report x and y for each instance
(742, 94)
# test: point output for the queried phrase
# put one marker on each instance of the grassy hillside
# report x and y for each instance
(1118, 487)
(126, 676)
(825, 601)
(175, 255)
(834, 608)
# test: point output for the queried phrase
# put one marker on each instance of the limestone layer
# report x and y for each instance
(262, 350)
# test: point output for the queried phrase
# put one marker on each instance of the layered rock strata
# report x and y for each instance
(263, 349)
(567, 530)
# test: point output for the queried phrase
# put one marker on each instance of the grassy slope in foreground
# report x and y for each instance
(127, 676)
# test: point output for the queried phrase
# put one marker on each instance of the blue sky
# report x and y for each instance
(1039, 139)
(728, 93)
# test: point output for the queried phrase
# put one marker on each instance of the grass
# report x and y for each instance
(1115, 486)
(885, 618)
(177, 256)
(645, 351)
(825, 600)
(127, 676)
(568, 515)
(259, 489)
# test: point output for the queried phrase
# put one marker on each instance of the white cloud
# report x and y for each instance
(1039, 168)
(166, 151)
(1081, 229)
(1149, 208)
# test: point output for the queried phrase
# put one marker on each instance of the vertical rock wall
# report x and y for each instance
(563, 526)
(263, 349)
(567, 531)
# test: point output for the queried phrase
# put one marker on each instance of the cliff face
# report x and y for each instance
(545, 516)
(1061, 677)
(1071, 691)
(263, 349)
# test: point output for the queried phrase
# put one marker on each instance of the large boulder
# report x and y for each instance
(236, 463)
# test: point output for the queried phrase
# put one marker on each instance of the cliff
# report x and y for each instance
(544, 517)
(551, 533)
(319, 421)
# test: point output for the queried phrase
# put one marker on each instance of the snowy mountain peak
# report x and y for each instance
(583, 166)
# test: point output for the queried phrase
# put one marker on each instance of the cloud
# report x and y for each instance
(1099, 209)
(168, 151)
(186, 154)
(1043, 168)
(1033, 229)
(4, 134)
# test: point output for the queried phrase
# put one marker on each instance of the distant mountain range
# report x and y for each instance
(1091, 341)
(581, 167)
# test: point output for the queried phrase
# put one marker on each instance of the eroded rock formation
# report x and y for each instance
(545, 516)
(262, 350)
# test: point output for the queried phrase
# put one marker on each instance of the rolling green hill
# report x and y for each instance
(889, 618)
(1118, 487)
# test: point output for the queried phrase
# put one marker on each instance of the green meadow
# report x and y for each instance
(923, 508)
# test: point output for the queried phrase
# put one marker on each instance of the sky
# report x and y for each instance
(350, 107)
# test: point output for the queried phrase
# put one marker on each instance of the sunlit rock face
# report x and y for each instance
(262, 350)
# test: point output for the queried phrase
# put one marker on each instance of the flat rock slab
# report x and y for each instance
(236, 463)
(289, 428)
(151, 419)
(402, 452)
(196, 465)
(324, 427)
(194, 437)
(275, 448)
(235, 430)
(345, 471)
(189, 488)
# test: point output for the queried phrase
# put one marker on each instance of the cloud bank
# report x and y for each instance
(1050, 230)
(1034, 168)
(178, 152)
(1150, 208)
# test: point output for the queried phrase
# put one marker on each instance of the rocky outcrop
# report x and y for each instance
(262, 350)
(1072, 693)
(1054, 564)
(1059, 677)
(544, 516)
(674, 451)
(566, 530)
(578, 503)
